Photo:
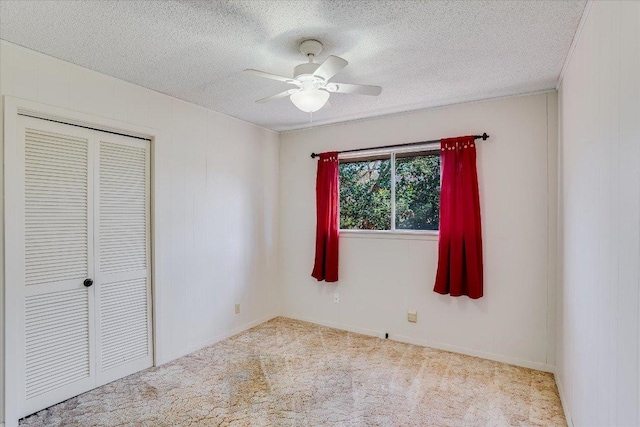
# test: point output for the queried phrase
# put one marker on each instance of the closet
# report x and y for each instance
(83, 258)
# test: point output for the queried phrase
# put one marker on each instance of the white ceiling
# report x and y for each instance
(423, 53)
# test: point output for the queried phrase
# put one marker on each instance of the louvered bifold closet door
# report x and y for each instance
(57, 318)
(123, 296)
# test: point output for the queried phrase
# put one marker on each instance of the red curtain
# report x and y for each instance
(460, 241)
(327, 220)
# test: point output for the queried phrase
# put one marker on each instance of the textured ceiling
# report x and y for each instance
(423, 53)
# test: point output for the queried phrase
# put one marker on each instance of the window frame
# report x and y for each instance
(393, 232)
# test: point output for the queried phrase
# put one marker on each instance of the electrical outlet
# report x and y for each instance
(336, 298)
(237, 308)
(412, 316)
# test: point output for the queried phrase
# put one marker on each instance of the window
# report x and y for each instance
(391, 191)
(365, 193)
(417, 191)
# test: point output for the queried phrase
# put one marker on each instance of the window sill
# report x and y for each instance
(390, 234)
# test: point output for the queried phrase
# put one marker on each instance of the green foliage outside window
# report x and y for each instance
(365, 193)
(417, 192)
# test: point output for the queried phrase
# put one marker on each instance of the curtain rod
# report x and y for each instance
(484, 137)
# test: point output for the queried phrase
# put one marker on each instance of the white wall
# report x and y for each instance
(383, 277)
(599, 234)
(216, 188)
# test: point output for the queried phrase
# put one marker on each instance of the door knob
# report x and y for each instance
(88, 282)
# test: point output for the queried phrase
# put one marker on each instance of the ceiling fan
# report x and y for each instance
(312, 80)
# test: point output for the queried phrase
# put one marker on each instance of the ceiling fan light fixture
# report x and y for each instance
(310, 100)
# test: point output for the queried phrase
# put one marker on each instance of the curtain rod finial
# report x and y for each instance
(485, 136)
(314, 155)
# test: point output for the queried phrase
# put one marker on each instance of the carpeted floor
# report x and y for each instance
(291, 373)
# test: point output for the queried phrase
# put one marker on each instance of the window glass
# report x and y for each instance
(417, 191)
(365, 193)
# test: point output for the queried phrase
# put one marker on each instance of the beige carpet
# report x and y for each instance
(291, 373)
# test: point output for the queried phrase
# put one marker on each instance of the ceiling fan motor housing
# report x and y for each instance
(310, 48)
(308, 68)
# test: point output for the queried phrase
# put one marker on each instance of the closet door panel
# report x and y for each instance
(58, 232)
(56, 207)
(57, 340)
(122, 261)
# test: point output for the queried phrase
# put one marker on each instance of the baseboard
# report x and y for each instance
(426, 343)
(219, 337)
(563, 402)
(476, 353)
(348, 328)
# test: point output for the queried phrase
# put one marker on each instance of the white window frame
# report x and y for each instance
(392, 232)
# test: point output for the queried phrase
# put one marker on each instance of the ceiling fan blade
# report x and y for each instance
(268, 75)
(358, 89)
(330, 67)
(277, 96)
